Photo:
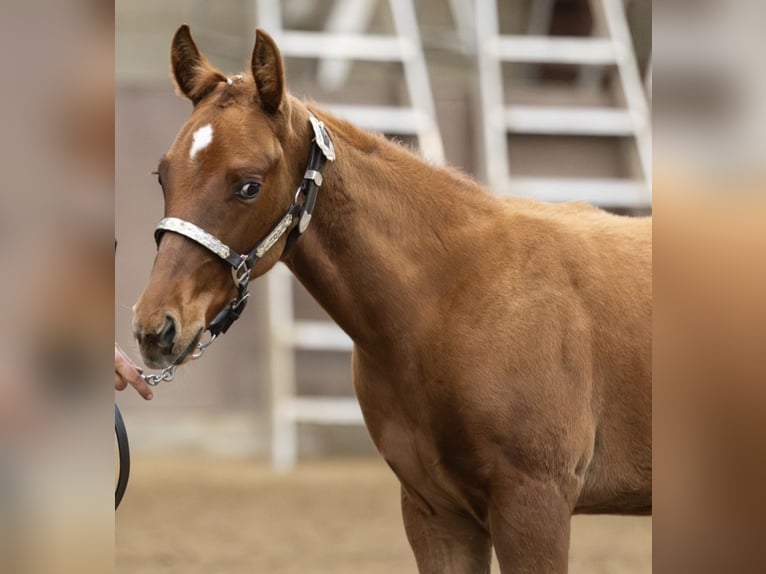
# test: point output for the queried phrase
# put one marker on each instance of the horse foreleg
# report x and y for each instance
(445, 543)
(529, 523)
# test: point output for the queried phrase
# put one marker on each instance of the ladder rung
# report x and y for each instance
(324, 410)
(569, 121)
(386, 119)
(544, 49)
(601, 192)
(370, 47)
(319, 336)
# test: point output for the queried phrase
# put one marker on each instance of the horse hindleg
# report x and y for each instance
(529, 523)
(445, 543)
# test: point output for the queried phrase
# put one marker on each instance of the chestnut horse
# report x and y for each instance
(502, 355)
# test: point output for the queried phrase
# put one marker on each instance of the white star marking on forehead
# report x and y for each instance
(201, 139)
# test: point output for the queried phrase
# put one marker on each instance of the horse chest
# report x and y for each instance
(397, 422)
(418, 464)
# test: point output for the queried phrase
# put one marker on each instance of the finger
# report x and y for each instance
(143, 389)
(124, 363)
(127, 370)
(119, 382)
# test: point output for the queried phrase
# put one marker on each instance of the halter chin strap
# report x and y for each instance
(242, 264)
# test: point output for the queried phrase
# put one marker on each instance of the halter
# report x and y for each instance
(242, 264)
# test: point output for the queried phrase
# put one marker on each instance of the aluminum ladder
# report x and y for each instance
(343, 39)
(498, 119)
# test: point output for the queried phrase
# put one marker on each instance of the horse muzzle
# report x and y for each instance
(164, 342)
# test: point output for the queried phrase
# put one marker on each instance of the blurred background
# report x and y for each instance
(256, 458)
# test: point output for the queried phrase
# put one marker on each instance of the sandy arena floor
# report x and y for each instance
(200, 515)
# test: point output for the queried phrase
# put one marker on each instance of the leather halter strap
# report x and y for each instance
(242, 264)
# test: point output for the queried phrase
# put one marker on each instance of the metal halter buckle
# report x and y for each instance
(241, 273)
(322, 138)
(240, 300)
(200, 350)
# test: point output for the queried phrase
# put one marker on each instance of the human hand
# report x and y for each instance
(127, 372)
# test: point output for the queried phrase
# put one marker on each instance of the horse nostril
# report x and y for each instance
(167, 336)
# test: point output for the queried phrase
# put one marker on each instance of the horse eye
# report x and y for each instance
(248, 190)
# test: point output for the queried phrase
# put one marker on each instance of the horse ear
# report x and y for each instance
(193, 74)
(268, 72)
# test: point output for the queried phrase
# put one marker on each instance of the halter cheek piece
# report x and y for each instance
(242, 264)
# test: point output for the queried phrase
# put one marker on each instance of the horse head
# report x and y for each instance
(232, 171)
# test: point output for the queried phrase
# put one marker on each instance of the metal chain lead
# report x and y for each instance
(169, 373)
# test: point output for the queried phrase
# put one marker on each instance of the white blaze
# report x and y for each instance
(201, 139)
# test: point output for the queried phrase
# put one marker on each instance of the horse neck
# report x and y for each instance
(386, 228)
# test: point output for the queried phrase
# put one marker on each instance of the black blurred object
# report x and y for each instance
(123, 450)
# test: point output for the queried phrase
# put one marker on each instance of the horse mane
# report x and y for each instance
(396, 151)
